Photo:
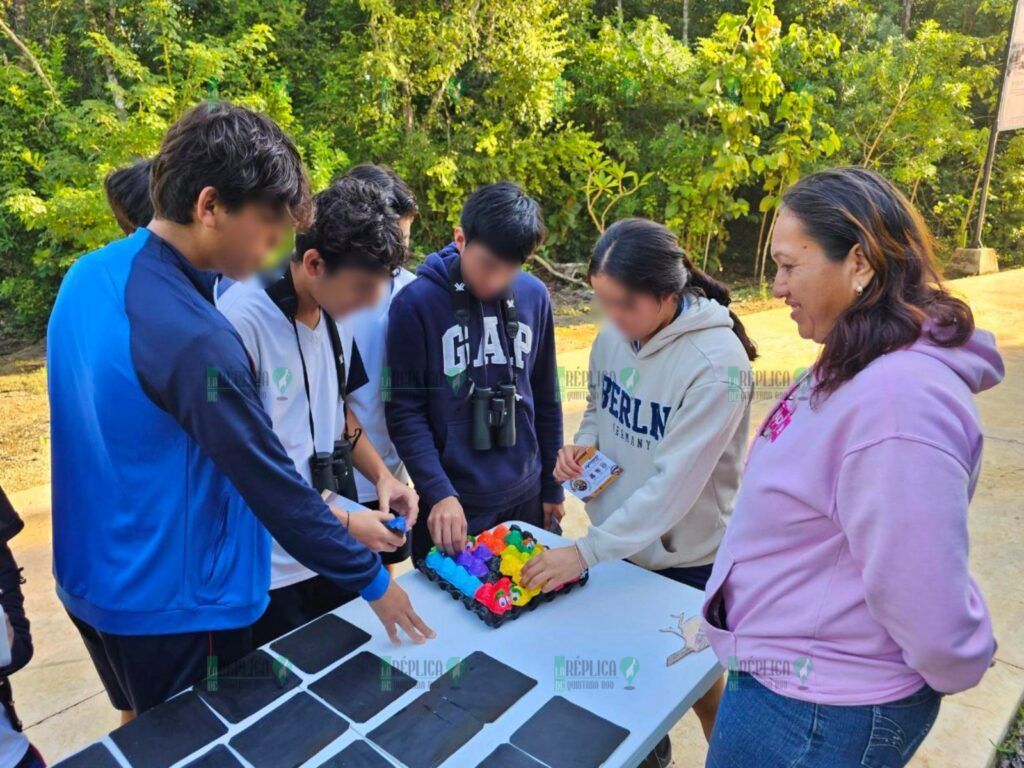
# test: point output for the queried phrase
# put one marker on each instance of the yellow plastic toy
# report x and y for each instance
(521, 595)
(512, 561)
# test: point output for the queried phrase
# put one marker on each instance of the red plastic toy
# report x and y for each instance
(497, 596)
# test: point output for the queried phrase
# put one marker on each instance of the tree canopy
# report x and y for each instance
(699, 115)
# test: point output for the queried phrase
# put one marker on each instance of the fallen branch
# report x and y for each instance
(560, 275)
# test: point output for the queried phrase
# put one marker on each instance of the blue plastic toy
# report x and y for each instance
(434, 558)
(397, 525)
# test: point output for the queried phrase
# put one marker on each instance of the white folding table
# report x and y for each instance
(601, 646)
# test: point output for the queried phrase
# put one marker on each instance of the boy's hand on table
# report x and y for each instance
(395, 496)
(552, 568)
(567, 465)
(369, 530)
(394, 609)
(447, 525)
(553, 513)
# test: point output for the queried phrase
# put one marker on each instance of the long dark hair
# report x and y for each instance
(646, 257)
(844, 207)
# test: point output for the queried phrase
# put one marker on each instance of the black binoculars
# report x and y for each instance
(494, 417)
(333, 471)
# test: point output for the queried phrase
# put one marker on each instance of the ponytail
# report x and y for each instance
(705, 285)
(646, 257)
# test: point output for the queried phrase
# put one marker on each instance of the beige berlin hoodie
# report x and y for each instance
(674, 415)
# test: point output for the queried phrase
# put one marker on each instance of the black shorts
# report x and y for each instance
(297, 604)
(399, 555)
(695, 576)
(477, 520)
(141, 671)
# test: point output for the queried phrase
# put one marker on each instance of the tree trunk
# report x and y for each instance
(905, 23)
(686, 22)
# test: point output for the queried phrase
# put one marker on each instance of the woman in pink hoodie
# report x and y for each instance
(840, 600)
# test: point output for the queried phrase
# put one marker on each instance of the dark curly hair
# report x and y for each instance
(398, 193)
(128, 195)
(242, 154)
(844, 207)
(646, 257)
(354, 226)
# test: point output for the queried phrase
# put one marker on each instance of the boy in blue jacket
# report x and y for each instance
(473, 403)
(167, 474)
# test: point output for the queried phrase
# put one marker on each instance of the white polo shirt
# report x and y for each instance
(270, 339)
(363, 338)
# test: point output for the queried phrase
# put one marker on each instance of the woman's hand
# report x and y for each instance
(552, 568)
(395, 496)
(567, 465)
(369, 530)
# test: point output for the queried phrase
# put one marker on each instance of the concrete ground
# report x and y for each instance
(63, 705)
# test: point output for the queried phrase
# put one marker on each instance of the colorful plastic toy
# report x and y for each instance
(483, 552)
(490, 539)
(472, 562)
(485, 575)
(433, 560)
(397, 524)
(466, 582)
(521, 595)
(497, 596)
(515, 539)
(512, 561)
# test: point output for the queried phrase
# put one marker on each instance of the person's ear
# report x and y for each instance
(460, 239)
(861, 270)
(313, 262)
(206, 207)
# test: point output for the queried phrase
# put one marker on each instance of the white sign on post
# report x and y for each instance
(1011, 106)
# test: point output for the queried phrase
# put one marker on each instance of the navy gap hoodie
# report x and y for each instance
(428, 414)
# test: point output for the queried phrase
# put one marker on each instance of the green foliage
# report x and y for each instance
(696, 114)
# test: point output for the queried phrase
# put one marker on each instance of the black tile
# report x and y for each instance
(358, 754)
(483, 686)
(565, 735)
(218, 757)
(319, 644)
(247, 686)
(289, 734)
(362, 686)
(94, 756)
(507, 756)
(168, 733)
(426, 732)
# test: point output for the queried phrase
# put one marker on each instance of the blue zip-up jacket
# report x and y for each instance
(429, 418)
(162, 453)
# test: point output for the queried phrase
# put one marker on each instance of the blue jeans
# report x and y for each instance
(758, 727)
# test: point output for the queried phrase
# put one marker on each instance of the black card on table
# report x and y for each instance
(94, 756)
(362, 686)
(507, 756)
(320, 643)
(565, 735)
(426, 732)
(247, 686)
(358, 754)
(483, 686)
(169, 732)
(218, 757)
(289, 734)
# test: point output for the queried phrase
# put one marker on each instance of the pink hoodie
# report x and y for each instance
(842, 578)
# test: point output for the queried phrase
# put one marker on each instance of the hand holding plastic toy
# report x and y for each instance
(551, 569)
